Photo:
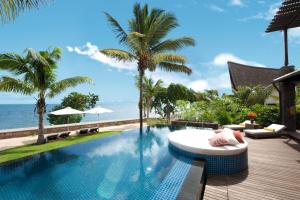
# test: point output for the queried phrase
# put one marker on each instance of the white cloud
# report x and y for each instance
(236, 2)
(198, 84)
(294, 35)
(272, 11)
(215, 8)
(221, 60)
(92, 51)
(268, 15)
(221, 81)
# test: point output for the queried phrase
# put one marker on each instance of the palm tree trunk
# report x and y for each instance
(141, 76)
(148, 107)
(41, 109)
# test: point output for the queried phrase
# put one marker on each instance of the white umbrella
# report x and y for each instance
(67, 111)
(98, 110)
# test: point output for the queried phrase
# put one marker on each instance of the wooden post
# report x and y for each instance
(288, 108)
(286, 53)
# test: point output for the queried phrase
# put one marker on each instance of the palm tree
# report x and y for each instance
(10, 9)
(35, 73)
(150, 91)
(147, 45)
(250, 95)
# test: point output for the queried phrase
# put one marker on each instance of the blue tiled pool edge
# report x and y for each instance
(171, 185)
(218, 165)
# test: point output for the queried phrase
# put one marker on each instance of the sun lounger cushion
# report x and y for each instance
(276, 127)
(269, 129)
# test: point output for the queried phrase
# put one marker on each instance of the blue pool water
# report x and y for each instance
(124, 166)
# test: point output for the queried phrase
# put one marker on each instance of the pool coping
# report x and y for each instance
(193, 186)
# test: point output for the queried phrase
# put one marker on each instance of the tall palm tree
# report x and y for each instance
(10, 9)
(146, 44)
(150, 91)
(35, 73)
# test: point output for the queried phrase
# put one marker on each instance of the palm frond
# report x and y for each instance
(118, 54)
(117, 28)
(173, 44)
(35, 57)
(10, 9)
(62, 85)
(172, 67)
(8, 84)
(14, 63)
(174, 58)
(161, 27)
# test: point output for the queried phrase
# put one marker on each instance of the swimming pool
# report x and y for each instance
(123, 166)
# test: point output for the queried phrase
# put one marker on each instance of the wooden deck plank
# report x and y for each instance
(273, 173)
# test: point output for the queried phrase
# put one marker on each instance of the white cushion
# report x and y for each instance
(228, 134)
(276, 127)
(196, 141)
(246, 122)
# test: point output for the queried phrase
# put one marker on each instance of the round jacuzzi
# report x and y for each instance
(194, 143)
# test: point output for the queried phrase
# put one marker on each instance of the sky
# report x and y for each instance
(224, 30)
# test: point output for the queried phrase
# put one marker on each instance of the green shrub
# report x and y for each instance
(298, 117)
(77, 101)
(266, 114)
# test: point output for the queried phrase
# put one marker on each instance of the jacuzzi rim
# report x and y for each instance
(208, 152)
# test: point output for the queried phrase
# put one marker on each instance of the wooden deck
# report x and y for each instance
(274, 173)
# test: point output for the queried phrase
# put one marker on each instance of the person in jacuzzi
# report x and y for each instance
(226, 136)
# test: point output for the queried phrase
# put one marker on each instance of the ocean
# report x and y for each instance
(23, 115)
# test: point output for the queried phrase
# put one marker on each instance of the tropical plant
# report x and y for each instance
(35, 73)
(252, 95)
(10, 9)
(207, 95)
(266, 114)
(298, 95)
(150, 90)
(77, 101)
(180, 92)
(147, 45)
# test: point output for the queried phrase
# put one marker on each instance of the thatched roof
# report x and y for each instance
(245, 75)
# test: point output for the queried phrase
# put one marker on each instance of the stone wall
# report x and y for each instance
(21, 132)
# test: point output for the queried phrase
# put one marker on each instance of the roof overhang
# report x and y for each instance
(290, 77)
(288, 16)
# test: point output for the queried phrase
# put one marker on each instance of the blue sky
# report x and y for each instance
(223, 29)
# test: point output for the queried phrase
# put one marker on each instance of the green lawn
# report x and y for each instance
(27, 150)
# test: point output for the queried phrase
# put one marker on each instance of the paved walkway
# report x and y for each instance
(20, 141)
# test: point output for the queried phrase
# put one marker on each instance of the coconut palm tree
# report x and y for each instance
(150, 91)
(250, 95)
(10, 9)
(35, 73)
(147, 46)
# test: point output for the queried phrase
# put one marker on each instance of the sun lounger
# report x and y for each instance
(64, 135)
(94, 130)
(52, 137)
(273, 130)
(83, 131)
(240, 126)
